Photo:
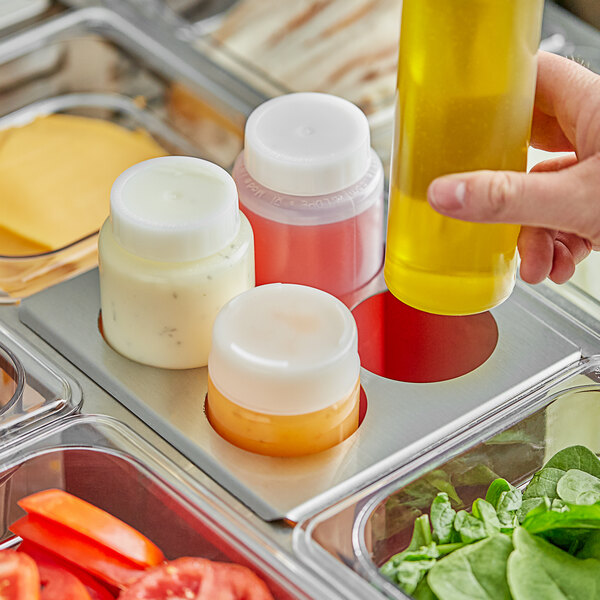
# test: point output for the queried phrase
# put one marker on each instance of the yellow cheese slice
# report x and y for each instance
(55, 178)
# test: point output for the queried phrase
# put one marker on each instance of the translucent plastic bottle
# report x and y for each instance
(175, 249)
(312, 189)
(283, 371)
(466, 81)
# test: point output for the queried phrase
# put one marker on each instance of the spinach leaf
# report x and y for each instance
(527, 506)
(421, 533)
(567, 526)
(575, 457)
(423, 591)
(475, 572)
(442, 518)
(408, 567)
(591, 546)
(408, 573)
(497, 488)
(506, 500)
(543, 484)
(578, 487)
(569, 516)
(537, 569)
(486, 513)
(469, 528)
(509, 501)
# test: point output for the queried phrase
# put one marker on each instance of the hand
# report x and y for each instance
(558, 202)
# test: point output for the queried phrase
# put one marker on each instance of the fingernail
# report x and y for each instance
(447, 193)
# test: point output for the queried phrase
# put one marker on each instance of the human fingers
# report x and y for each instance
(556, 163)
(536, 249)
(570, 93)
(566, 200)
(569, 250)
(546, 133)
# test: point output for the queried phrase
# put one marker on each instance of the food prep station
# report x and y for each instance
(135, 441)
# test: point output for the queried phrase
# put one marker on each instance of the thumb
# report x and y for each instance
(568, 199)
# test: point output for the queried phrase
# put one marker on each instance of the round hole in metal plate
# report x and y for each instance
(402, 343)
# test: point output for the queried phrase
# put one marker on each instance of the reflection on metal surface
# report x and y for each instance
(403, 343)
(402, 419)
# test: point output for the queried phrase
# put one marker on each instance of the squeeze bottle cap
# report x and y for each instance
(307, 144)
(174, 209)
(284, 349)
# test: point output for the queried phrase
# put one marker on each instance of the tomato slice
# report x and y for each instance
(93, 587)
(94, 523)
(58, 584)
(179, 578)
(200, 579)
(19, 577)
(235, 582)
(98, 561)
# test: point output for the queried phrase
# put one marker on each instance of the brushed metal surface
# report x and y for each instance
(402, 419)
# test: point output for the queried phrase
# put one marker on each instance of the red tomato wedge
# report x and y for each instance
(98, 561)
(180, 578)
(198, 579)
(94, 523)
(58, 584)
(19, 577)
(94, 588)
(235, 582)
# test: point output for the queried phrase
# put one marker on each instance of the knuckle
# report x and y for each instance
(503, 189)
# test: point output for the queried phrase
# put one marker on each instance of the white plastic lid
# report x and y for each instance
(284, 349)
(307, 144)
(174, 209)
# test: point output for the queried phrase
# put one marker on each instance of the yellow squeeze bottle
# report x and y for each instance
(465, 91)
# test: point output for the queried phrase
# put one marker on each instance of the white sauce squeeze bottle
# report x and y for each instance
(284, 371)
(174, 250)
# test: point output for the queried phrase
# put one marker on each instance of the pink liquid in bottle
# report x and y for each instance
(312, 189)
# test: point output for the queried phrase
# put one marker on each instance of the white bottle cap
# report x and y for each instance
(307, 144)
(174, 209)
(284, 349)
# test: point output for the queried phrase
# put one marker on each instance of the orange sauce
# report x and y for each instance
(283, 435)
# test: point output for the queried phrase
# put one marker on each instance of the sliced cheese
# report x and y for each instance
(55, 178)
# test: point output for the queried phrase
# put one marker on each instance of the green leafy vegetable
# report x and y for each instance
(498, 487)
(537, 569)
(554, 525)
(542, 485)
(424, 592)
(442, 518)
(568, 516)
(469, 528)
(591, 547)
(544, 482)
(578, 487)
(575, 457)
(474, 572)
(487, 514)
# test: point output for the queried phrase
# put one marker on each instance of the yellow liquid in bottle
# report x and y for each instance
(466, 80)
(283, 435)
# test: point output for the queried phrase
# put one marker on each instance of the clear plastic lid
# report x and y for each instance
(284, 349)
(307, 144)
(174, 209)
